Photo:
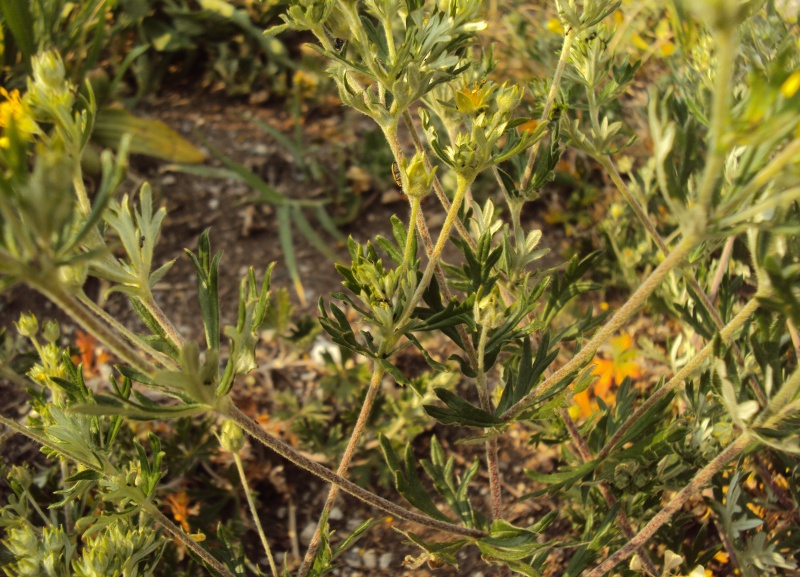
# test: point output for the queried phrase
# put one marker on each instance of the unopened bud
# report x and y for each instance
(417, 180)
(489, 311)
(28, 326)
(51, 331)
(231, 438)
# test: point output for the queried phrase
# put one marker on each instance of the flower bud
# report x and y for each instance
(231, 438)
(48, 69)
(28, 326)
(51, 331)
(508, 98)
(489, 311)
(417, 180)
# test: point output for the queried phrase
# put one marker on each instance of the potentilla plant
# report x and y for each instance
(725, 148)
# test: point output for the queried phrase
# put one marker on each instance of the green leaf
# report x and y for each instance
(564, 479)
(407, 481)
(460, 412)
(87, 475)
(17, 17)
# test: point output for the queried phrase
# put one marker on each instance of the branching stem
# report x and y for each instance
(255, 430)
(636, 300)
(344, 465)
(726, 334)
(700, 480)
(548, 105)
(622, 519)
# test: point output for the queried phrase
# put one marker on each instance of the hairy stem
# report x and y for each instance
(706, 301)
(491, 443)
(254, 512)
(169, 329)
(187, 541)
(724, 259)
(344, 465)
(157, 356)
(437, 184)
(636, 300)
(622, 519)
(726, 334)
(78, 312)
(548, 105)
(700, 480)
(255, 430)
(726, 58)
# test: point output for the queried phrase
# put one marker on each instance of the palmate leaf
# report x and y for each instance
(565, 288)
(440, 471)
(407, 481)
(564, 479)
(460, 412)
(521, 381)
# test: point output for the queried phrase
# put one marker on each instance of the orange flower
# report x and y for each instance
(181, 511)
(610, 371)
(91, 356)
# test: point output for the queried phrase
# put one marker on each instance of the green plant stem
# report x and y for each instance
(169, 329)
(636, 300)
(726, 43)
(491, 443)
(726, 335)
(472, 355)
(344, 465)
(412, 227)
(706, 301)
(795, 338)
(437, 184)
(724, 259)
(444, 236)
(548, 105)
(254, 512)
(700, 480)
(35, 505)
(73, 307)
(782, 402)
(622, 519)
(159, 357)
(187, 541)
(255, 430)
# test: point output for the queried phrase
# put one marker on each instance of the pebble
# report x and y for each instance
(352, 559)
(335, 514)
(369, 559)
(307, 533)
(385, 561)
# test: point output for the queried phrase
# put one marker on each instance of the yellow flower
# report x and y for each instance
(15, 111)
(554, 26)
(791, 85)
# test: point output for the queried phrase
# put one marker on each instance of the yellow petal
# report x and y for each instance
(791, 85)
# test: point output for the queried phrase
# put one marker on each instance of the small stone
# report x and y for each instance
(168, 179)
(213, 203)
(308, 533)
(353, 524)
(352, 559)
(369, 559)
(385, 561)
(335, 514)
